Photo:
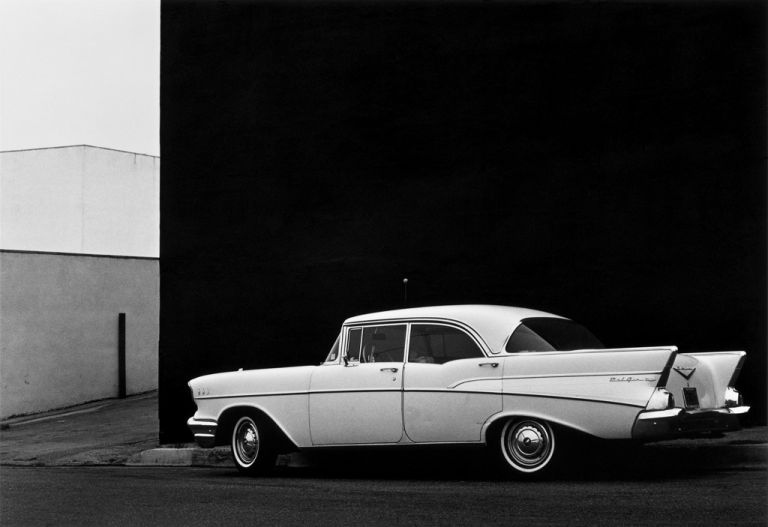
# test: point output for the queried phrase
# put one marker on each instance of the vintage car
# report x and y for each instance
(517, 380)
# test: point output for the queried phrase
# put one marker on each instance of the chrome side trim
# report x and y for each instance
(402, 443)
(590, 350)
(556, 376)
(432, 390)
(277, 394)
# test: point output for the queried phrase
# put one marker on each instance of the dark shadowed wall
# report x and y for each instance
(603, 161)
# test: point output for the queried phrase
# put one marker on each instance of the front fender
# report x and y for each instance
(229, 413)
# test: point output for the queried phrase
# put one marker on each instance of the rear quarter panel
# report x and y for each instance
(599, 392)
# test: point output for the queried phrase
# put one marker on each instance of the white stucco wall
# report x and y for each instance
(59, 328)
(80, 199)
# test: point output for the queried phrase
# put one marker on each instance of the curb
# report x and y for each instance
(203, 457)
(182, 457)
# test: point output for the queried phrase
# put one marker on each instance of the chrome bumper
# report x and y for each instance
(204, 431)
(677, 422)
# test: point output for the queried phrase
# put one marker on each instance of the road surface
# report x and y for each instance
(187, 496)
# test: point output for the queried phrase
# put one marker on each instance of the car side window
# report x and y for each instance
(383, 343)
(353, 344)
(437, 344)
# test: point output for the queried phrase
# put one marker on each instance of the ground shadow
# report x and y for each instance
(586, 461)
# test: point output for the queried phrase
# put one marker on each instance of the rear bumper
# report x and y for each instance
(204, 431)
(676, 422)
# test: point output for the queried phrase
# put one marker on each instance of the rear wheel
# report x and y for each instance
(527, 447)
(251, 449)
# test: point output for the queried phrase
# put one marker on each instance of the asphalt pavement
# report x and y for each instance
(167, 496)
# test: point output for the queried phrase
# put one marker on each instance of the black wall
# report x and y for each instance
(604, 161)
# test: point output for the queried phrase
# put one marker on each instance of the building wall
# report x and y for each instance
(80, 199)
(59, 328)
(79, 244)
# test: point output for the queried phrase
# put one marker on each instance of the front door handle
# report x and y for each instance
(393, 370)
(491, 364)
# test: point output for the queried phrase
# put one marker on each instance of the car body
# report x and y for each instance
(514, 379)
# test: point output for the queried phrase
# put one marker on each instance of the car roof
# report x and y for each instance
(492, 323)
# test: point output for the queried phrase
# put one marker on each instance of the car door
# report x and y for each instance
(358, 400)
(450, 388)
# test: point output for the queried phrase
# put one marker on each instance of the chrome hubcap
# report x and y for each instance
(247, 441)
(528, 443)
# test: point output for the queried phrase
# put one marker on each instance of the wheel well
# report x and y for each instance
(493, 431)
(229, 417)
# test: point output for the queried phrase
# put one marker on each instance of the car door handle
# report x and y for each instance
(393, 370)
(491, 364)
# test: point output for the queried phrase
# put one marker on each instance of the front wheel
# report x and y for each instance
(251, 451)
(527, 447)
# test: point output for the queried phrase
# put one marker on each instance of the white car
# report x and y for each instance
(514, 379)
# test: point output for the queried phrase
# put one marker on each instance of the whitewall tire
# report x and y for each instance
(527, 447)
(251, 450)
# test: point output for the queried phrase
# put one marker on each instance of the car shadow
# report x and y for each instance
(583, 461)
(591, 461)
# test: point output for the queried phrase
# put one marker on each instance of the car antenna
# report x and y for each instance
(405, 292)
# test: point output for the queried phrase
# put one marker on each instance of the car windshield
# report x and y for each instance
(551, 334)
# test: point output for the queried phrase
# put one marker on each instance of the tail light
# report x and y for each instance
(732, 397)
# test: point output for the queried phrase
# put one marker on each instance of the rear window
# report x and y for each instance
(551, 334)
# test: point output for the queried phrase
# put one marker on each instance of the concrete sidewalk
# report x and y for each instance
(124, 432)
(106, 432)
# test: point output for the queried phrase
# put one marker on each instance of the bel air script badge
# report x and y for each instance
(687, 373)
(631, 379)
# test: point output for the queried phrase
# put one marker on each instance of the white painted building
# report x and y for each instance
(80, 200)
(79, 244)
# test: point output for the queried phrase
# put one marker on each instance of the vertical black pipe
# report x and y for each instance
(121, 355)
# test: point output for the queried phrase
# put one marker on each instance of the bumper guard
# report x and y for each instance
(204, 431)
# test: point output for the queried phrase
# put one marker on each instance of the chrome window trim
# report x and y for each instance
(428, 320)
(506, 340)
(346, 329)
(337, 360)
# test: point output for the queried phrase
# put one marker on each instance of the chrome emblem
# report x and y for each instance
(686, 373)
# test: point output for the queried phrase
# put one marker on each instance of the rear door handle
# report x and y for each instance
(393, 370)
(491, 364)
